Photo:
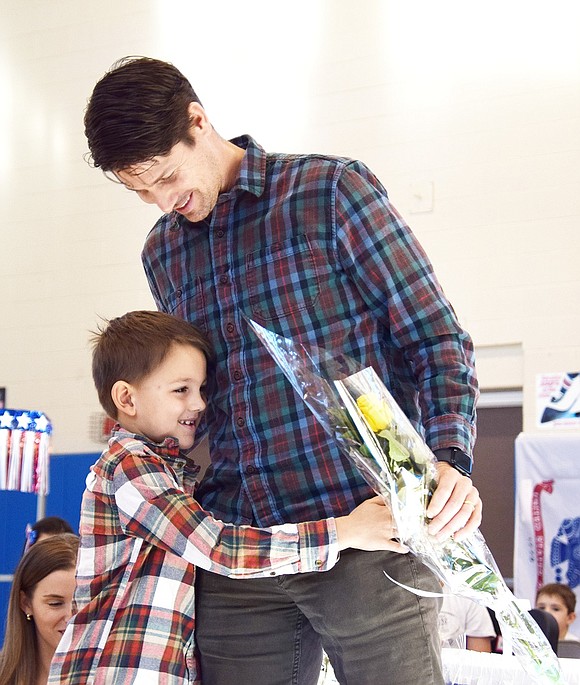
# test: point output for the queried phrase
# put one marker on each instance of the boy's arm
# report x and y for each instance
(151, 506)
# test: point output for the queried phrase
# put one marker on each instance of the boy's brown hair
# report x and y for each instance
(559, 590)
(131, 346)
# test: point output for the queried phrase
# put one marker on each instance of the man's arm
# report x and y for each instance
(395, 278)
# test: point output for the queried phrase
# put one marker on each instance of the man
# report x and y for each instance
(310, 247)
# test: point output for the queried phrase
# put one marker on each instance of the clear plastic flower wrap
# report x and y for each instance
(356, 409)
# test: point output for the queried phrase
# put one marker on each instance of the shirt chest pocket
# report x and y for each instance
(283, 278)
(188, 302)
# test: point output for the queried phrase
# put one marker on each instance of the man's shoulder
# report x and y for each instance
(313, 170)
(314, 160)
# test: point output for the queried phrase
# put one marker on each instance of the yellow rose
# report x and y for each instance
(376, 411)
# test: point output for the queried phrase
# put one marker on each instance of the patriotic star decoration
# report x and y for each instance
(6, 419)
(25, 420)
(42, 424)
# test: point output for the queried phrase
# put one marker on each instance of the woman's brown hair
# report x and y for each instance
(19, 656)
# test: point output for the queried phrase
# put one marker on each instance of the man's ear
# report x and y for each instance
(122, 396)
(198, 118)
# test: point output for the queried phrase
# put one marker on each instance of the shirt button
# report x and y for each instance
(230, 328)
(220, 234)
(223, 278)
(179, 292)
(251, 470)
(318, 563)
(240, 421)
(238, 375)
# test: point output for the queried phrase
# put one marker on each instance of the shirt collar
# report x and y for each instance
(252, 175)
(168, 449)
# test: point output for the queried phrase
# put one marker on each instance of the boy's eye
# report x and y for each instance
(181, 390)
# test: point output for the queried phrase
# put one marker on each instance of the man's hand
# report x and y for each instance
(369, 527)
(455, 508)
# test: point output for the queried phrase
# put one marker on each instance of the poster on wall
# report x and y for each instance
(547, 521)
(558, 399)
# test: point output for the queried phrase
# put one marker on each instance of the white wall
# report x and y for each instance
(478, 103)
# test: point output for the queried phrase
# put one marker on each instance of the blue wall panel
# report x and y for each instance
(67, 483)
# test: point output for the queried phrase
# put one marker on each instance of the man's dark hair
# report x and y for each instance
(137, 111)
(133, 345)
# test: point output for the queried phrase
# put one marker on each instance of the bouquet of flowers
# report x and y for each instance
(356, 409)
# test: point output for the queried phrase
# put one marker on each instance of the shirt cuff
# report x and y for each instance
(319, 549)
(450, 430)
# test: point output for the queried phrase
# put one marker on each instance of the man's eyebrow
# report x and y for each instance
(130, 171)
(167, 172)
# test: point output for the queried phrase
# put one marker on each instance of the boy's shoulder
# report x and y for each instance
(121, 445)
(124, 446)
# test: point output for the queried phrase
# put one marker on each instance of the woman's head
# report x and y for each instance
(39, 607)
(44, 528)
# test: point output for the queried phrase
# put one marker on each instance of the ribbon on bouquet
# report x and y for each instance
(24, 450)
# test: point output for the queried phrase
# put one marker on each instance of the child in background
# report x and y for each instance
(560, 601)
(465, 624)
(142, 531)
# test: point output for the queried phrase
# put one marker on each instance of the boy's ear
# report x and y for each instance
(122, 396)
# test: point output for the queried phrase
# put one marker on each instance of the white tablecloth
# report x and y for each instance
(466, 667)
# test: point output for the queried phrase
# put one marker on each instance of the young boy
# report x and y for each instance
(142, 532)
(560, 601)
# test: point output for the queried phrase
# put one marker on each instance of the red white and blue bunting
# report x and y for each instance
(24, 450)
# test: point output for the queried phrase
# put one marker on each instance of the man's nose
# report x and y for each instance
(164, 198)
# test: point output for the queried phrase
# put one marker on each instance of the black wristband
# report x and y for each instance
(455, 457)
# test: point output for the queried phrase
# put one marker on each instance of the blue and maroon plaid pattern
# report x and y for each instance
(142, 534)
(310, 247)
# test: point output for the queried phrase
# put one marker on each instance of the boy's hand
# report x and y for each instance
(369, 527)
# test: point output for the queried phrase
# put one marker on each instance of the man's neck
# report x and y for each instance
(232, 157)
